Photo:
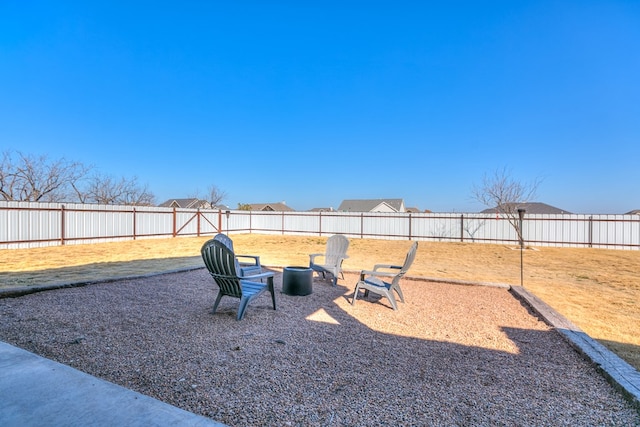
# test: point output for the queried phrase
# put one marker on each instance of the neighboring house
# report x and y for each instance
(279, 207)
(532, 208)
(372, 205)
(412, 210)
(192, 203)
(634, 212)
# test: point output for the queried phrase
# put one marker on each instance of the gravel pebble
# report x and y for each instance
(451, 355)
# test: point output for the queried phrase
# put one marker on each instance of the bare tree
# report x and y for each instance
(7, 177)
(215, 195)
(138, 195)
(29, 178)
(106, 190)
(502, 192)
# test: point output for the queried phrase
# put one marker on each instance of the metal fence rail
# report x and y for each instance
(26, 225)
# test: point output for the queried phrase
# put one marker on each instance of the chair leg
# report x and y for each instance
(244, 302)
(215, 305)
(392, 300)
(399, 291)
(273, 294)
(355, 294)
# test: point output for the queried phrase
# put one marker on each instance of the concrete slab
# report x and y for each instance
(40, 392)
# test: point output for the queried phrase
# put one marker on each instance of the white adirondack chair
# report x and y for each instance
(335, 254)
(370, 280)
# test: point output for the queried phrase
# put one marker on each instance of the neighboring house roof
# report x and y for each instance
(532, 208)
(270, 207)
(186, 203)
(372, 205)
(412, 210)
(633, 212)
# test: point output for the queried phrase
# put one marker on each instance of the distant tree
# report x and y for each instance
(25, 177)
(106, 190)
(215, 196)
(30, 178)
(502, 192)
(244, 206)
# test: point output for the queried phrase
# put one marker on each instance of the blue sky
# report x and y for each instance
(312, 103)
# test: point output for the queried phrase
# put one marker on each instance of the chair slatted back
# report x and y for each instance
(337, 246)
(411, 255)
(226, 240)
(223, 238)
(221, 263)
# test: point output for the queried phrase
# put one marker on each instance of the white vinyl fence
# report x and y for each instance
(26, 225)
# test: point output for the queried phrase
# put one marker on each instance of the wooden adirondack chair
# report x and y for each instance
(335, 254)
(370, 280)
(250, 265)
(221, 263)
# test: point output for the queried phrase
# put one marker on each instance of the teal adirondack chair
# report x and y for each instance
(221, 263)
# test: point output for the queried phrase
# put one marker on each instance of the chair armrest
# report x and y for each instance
(364, 273)
(312, 257)
(256, 258)
(256, 276)
(386, 266)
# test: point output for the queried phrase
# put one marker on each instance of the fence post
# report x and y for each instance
(591, 231)
(62, 226)
(198, 218)
(409, 225)
(362, 225)
(320, 223)
(134, 223)
(175, 220)
(462, 227)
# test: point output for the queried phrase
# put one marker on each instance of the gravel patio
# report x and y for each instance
(451, 355)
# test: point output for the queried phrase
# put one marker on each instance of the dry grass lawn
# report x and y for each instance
(597, 289)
